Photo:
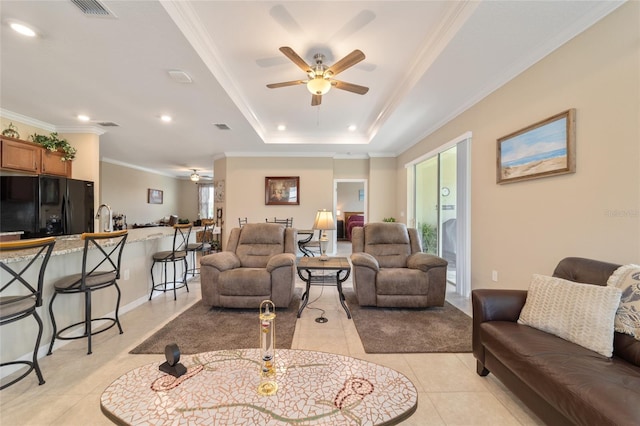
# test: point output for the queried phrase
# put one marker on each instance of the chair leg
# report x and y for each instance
(53, 322)
(87, 318)
(185, 275)
(36, 366)
(118, 308)
(153, 283)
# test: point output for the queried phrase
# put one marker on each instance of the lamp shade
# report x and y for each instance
(324, 221)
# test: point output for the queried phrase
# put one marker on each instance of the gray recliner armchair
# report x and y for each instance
(390, 269)
(259, 262)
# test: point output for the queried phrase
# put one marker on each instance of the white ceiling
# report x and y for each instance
(426, 62)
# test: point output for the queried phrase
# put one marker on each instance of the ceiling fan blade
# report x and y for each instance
(348, 61)
(295, 58)
(285, 84)
(349, 87)
(316, 100)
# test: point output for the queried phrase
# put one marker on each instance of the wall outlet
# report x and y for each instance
(126, 274)
(494, 276)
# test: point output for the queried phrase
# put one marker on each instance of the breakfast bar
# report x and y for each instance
(66, 259)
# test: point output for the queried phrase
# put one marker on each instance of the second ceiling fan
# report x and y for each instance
(321, 76)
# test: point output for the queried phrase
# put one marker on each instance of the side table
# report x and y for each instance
(338, 265)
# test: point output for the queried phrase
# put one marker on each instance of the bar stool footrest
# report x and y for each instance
(93, 333)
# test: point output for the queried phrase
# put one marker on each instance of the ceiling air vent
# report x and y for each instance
(108, 124)
(93, 8)
(222, 126)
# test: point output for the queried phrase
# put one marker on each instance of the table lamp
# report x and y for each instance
(324, 222)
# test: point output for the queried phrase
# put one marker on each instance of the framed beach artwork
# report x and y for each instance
(283, 191)
(545, 148)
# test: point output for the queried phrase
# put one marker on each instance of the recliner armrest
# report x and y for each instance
(222, 261)
(280, 260)
(365, 259)
(425, 261)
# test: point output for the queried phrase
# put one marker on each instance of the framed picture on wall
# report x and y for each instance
(542, 149)
(154, 196)
(283, 191)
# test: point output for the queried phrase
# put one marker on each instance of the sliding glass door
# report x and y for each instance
(440, 183)
(436, 188)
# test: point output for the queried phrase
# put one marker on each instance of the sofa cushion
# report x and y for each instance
(258, 242)
(580, 313)
(245, 282)
(401, 281)
(583, 385)
(627, 279)
(388, 243)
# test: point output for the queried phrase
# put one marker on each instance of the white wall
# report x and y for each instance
(125, 190)
(522, 228)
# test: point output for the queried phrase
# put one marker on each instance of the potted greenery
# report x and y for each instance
(429, 238)
(389, 219)
(54, 143)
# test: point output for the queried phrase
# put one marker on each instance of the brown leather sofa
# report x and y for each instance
(561, 382)
(259, 262)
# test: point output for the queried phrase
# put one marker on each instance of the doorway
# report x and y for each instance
(349, 199)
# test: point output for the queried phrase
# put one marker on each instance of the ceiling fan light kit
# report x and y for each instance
(321, 76)
(195, 177)
(318, 86)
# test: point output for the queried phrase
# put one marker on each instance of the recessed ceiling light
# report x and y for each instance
(352, 128)
(22, 29)
(166, 118)
(83, 117)
(282, 127)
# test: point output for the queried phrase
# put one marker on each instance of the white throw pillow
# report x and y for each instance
(580, 313)
(627, 279)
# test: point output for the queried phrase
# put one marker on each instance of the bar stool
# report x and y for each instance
(21, 304)
(177, 254)
(204, 246)
(99, 271)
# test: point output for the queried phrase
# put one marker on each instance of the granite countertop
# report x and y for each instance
(72, 243)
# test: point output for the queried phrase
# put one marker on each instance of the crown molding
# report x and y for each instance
(27, 120)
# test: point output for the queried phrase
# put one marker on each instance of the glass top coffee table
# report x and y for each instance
(220, 388)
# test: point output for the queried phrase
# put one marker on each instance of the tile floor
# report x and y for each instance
(450, 392)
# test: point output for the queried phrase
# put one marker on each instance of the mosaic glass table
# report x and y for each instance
(221, 388)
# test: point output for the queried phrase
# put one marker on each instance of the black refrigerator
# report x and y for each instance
(44, 206)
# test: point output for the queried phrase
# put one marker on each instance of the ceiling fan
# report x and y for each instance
(321, 76)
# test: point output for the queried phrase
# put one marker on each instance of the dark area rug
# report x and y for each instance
(201, 329)
(396, 330)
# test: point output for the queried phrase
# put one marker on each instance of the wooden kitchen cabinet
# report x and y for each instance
(20, 155)
(52, 164)
(30, 157)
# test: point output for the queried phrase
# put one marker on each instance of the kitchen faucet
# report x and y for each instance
(108, 228)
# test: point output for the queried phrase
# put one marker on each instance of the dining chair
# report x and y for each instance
(101, 260)
(203, 246)
(287, 222)
(177, 254)
(242, 222)
(19, 298)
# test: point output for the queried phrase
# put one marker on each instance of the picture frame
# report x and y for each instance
(546, 148)
(282, 191)
(154, 196)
